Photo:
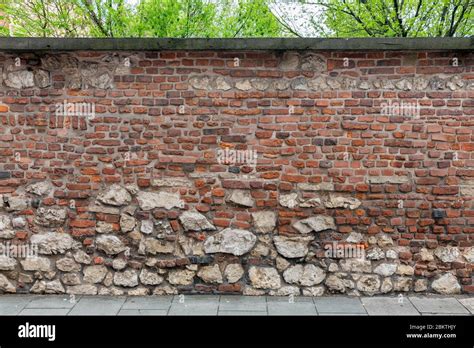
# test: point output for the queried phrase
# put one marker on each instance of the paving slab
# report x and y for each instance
(98, 306)
(155, 302)
(242, 313)
(203, 308)
(52, 302)
(45, 311)
(334, 305)
(468, 303)
(388, 306)
(436, 305)
(282, 308)
(13, 304)
(196, 299)
(288, 299)
(160, 312)
(243, 303)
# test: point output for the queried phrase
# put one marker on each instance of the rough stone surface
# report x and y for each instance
(307, 275)
(446, 284)
(230, 241)
(115, 195)
(194, 221)
(50, 217)
(7, 263)
(242, 198)
(150, 278)
(41, 188)
(152, 200)
(264, 278)
(110, 244)
(53, 243)
(210, 274)
(233, 273)
(264, 221)
(292, 247)
(36, 264)
(95, 274)
(315, 224)
(181, 277)
(128, 278)
(6, 285)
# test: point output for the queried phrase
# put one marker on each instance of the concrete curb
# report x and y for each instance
(152, 44)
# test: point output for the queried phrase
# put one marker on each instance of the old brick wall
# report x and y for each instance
(237, 172)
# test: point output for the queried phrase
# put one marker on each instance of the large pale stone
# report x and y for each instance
(289, 61)
(447, 284)
(6, 285)
(230, 241)
(426, 255)
(264, 221)
(292, 247)
(199, 82)
(241, 197)
(152, 200)
(150, 278)
(110, 244)
(42, 78)
(155, 246)
(447, 254)
(50, 217)
(95, 274)
(104, 227)
(16, 203)
(313, 62)
(128, 278)
(6, 231)
(356, 265)
(264, 278)
(44, 287)
(221, 83)
(146, 227)
(233, 273)
(369, 284)
(54, 243)
(335, 284)
(194, 221)
(7, 263)
(243, 85)
(181, 277)
(115, 195)
(341, 202)
(67, 264)
(289, 200)
(211, 274)
(316, 223)
(127, 223)
(468, 254)
(20, 79)
(385, 269)
(307, 275)
(81, 257)
(36, 264)
(403, 284)
(41, 188)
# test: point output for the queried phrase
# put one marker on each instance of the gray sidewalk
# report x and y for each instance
(233, 305)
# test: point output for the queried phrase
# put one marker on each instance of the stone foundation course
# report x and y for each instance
(256, 172)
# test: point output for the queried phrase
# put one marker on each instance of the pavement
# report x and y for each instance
(234, 305)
